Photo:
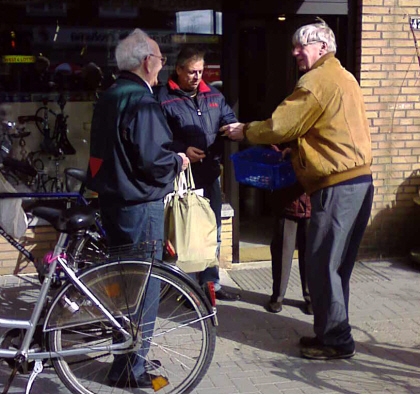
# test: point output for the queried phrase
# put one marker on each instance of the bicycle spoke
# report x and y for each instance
(181, 340)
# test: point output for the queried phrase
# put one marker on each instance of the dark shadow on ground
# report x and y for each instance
(377, 365)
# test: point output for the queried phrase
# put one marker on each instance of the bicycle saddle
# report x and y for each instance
(67, 220)
(21, 166)
(21, 134)
(76, 173)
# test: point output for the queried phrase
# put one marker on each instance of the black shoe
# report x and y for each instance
(227, 295)
(151, 365)
(309, 341)
(308, 309)
(274, 307)
(143, 381)
(321, 352)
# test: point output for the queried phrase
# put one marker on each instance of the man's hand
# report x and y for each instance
(185, 161)
(235, 131)
(195, 154)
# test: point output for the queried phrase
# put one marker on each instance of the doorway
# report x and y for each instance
(267, 75)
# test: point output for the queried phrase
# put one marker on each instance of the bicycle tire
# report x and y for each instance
(39, 126)
(86, 250)
(83, 251)
(183, 340)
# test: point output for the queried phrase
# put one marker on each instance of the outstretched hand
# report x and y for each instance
(195, 154)
(235, 131)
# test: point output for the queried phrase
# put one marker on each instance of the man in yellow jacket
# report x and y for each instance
(325, 121)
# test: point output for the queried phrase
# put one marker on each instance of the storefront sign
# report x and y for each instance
(97, 37)
(18, 59)
(212, 73)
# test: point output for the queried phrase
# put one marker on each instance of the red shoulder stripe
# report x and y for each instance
(95, 165)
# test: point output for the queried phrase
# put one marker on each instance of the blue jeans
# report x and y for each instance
(339, 217)
(131, 225)
(214, 194)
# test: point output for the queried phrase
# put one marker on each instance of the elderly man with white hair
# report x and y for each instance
(132, 169)
(325, 121)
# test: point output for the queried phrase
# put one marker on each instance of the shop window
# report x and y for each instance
(59, 55)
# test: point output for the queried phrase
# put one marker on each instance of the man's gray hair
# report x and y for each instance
(315, 32)
(132, 50)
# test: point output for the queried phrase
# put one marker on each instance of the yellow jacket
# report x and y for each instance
(326, 120)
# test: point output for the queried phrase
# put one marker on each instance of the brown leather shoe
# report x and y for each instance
(224, 295)
(274, 307)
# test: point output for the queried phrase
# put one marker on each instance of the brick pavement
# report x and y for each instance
(257, 351)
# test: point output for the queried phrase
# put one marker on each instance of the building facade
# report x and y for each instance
(46, 47)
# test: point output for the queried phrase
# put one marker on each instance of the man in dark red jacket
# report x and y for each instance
(195, 111)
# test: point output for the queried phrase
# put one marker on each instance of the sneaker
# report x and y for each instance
(222, 294)
(274, 307)
(309, 341)
(321, 352)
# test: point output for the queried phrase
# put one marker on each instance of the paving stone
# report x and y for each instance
(258, 352)
(244, 385)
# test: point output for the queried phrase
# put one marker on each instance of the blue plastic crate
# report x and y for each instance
(263, 168)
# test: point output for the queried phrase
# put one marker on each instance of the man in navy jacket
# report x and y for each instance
(132, 169)
(195, 111)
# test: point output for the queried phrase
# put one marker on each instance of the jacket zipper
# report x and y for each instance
(195, 103)
(199, 113)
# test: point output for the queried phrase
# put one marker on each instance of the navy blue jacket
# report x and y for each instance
(130, 157)
(196, 122)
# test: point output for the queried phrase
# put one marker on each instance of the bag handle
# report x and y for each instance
(184, 181)
(189, 178)
(180, 183)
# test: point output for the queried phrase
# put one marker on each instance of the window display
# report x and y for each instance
(56, 57)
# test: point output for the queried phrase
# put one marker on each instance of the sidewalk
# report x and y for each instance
(257, 351)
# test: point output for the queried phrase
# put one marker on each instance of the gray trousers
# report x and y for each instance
(340, 215)
(286, 233)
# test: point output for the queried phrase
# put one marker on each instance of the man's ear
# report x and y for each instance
(147, 63)
(178, 70)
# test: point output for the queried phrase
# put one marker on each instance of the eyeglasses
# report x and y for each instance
(163, 59)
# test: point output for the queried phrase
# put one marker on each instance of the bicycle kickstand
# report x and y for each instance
(36, 371)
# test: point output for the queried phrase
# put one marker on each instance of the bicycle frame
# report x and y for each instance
(31, 324)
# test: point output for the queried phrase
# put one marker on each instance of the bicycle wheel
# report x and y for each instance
(183, 340)
(41, 124)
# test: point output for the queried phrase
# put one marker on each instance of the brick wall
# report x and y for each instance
(389, 76)
(38, 240)
(226, 248)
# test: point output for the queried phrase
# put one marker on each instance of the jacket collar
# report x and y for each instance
(127, 75)
(322, 60)
(202, 87)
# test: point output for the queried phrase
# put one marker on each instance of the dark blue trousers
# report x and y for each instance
(131, 225)
(214, 194)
